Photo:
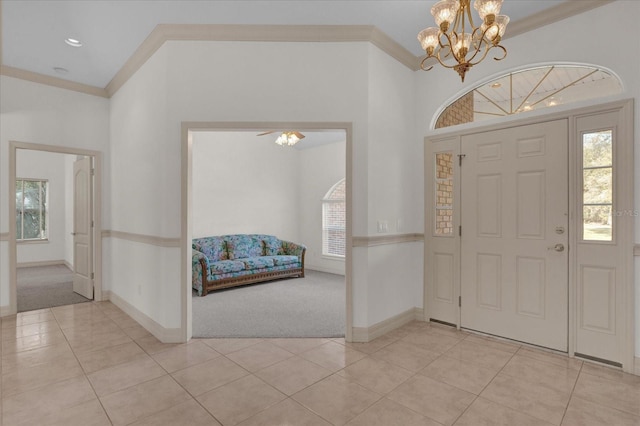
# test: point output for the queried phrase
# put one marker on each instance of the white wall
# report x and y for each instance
(576, 39)
(51, 167)
(233, 81)
(35, 113)
(319, 169)
(145, 196)
(243, 184)
(392, 275)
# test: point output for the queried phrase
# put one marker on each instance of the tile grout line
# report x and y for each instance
(573, 389)
(106, 413)
(485, 387)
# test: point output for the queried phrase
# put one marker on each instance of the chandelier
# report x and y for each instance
(456, 46)
(289, 138)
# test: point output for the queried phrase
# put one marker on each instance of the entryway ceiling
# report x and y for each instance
(33, 32)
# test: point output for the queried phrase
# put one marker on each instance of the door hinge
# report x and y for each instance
(92, 276)
(92, 224)
(460, 231)
(460, 157)
(93, 172)
(459, 301)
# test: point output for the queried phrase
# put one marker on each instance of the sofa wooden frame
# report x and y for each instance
(208, 286)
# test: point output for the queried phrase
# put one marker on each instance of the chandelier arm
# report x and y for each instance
(449, 45)
(437, 56)
(484, 54)
(504, 52)
(422, 63)
(487, 45)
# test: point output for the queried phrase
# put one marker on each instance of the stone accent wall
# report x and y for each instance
(444, 194)
(459, 112)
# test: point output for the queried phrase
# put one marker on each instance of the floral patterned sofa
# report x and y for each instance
(231, 260)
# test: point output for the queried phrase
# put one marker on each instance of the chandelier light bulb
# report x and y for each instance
(429, 38)
(487, 9)
(444, 13)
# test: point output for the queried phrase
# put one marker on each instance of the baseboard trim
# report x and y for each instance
(322, 269)
(6, 311)
(42, 263)
(165, 335)
(636, 366)
(367, 334)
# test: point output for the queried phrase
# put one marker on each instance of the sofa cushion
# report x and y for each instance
(241, 246)
(283, 260)
(226, 266)
(272, 245)
(212, 247)
(259, 262)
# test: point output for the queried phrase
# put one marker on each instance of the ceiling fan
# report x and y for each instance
(286, 138)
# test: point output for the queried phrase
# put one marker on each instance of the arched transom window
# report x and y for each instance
(334, 220)
(527, 90)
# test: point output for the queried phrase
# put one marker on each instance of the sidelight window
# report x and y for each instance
(443, 225)
(597, 186)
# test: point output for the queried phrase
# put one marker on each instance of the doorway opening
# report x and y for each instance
(54, 238)
(240, 183)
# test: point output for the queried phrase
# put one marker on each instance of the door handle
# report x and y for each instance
(557, 247)
(73, 233)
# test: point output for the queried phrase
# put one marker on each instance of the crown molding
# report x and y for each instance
(553, 14)
(52, 81)
(282, 33)
(258, 33)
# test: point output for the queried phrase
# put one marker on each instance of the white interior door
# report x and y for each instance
(514, 243)
(82, 229)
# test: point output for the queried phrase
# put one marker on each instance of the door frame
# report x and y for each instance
(187, 129)
(625, 203)
(14, 146)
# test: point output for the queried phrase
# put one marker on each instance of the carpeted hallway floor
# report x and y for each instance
(313, 306)
(42, 287)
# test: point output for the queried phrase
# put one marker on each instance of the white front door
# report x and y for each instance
(514, 243)
(82, 229)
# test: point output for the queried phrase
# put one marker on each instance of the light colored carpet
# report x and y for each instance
(313, 306)
(42, 287)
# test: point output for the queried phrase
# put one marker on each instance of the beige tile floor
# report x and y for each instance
(91, 364)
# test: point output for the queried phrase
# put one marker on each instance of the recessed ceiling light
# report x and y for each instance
(73, 42)
(496, 85)
(61, 70)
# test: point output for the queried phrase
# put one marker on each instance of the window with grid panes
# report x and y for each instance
(31, 209)
(334, 219)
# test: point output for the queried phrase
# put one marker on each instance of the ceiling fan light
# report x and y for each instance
(287, 139)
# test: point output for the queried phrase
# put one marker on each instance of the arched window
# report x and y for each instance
(527, 90)
(334, 220)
